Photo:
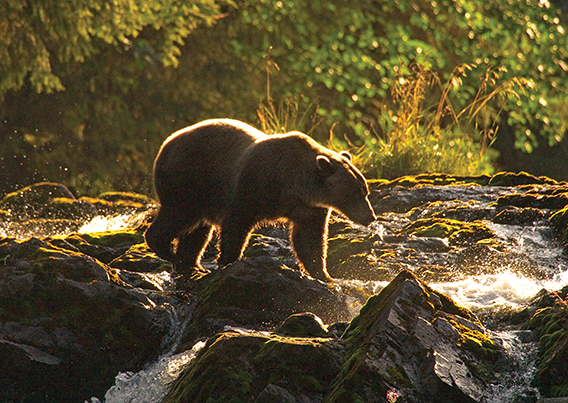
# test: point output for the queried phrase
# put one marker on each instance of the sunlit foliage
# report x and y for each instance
(36, 33)
(350, 53)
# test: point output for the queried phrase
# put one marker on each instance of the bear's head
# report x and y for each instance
(344, 188)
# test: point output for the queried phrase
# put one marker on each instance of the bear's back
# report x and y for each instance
(196, 165)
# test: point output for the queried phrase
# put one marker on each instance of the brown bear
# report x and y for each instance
(226, 174)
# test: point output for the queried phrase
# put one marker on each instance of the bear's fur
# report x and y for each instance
(226, 174)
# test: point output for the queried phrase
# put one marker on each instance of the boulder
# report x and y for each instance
(259, 293)
(550, 321)
(68, 323)
(419, 342)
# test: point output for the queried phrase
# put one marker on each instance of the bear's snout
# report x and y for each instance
(363, 213)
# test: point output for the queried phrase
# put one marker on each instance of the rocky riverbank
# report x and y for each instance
(79, 305)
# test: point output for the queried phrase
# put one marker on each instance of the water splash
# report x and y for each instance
(43, 228)
(505, 289)
(515, 384)
(151, 384)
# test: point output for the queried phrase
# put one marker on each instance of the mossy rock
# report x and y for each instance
(519, 216)
(463, 212)
(262, 245)
(386, 329)
(48, 201)
(551, 325)
(38, 193)
(127, 197)
(560, 390)
(302, 325)
(433, 180)
(140, 258)
(42, 210)
(477, 342)
(520, 178)
(240, 368)
(51, 288)
(352, 257)
(115, 239)
(458, 232)
(105, 254)
(534, 200)
(104, 207)
(560, 218)
(260, 293)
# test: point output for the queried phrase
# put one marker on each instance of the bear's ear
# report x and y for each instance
(345, 154)
(324, 165)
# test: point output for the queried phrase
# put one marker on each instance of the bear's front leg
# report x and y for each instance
(309, 239)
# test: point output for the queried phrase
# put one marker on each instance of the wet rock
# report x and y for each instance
(520, 178)
(140, 258)
(349, 255)
(519, 216)
(109, 245)
(42, 209)
(550, 321)
(240, 367)
(540, 201)
(63, 312)
(418, 341)
(259, 293)
(457, 232)
(103, 302)
(304, 324)
(111, 203)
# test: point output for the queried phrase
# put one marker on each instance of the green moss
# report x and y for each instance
(115, 239)
(236, 368)
(456, 231)
(476, 342)
(432, 180)
(398, 376)
(305, 363)
(127, 197)
(560, 218)
(560, 390)
(220, 373)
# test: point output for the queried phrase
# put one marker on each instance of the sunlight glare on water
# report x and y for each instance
(112, 223)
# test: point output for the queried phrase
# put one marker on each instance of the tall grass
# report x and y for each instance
(422, 130)
(288, 114)
(425, 127)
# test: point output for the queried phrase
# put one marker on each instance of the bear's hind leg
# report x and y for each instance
(235, 234)
(309, 239)
(190, 247)
(159, 238)
(163, 230)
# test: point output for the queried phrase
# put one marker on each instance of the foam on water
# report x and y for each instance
(506, 289)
